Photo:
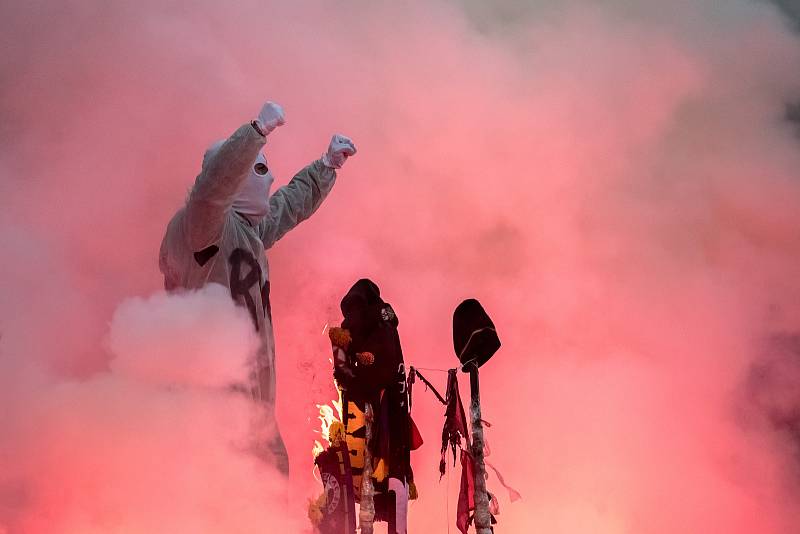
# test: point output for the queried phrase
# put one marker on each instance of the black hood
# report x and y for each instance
(474, 336)
(363, 308)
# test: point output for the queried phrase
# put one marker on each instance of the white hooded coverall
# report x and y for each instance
(207, 241)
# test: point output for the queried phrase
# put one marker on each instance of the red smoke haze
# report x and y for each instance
(616, 184)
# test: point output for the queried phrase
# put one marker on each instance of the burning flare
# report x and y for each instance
(331, 426)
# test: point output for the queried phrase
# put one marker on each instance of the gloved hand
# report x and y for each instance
(270, 117)
(339, 150)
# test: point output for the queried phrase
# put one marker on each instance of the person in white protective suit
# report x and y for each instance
(230, 219)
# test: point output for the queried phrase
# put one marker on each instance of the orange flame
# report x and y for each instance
(328, 414)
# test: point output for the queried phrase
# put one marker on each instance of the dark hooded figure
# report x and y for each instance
(373, 372)
(372, 324)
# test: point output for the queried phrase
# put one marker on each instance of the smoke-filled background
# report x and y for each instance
(616, 181)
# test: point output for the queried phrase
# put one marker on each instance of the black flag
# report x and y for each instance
(338, 514)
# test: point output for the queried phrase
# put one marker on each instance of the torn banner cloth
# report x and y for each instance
(455, 422)
(455, 428)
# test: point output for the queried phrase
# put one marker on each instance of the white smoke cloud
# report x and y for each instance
(158, 443)
(193, 339)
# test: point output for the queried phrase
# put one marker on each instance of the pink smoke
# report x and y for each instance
(616, 184)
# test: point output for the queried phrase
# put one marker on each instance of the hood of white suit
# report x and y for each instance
(252, 200)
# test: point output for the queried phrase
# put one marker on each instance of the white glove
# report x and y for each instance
(339, 150)
(270, 117)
